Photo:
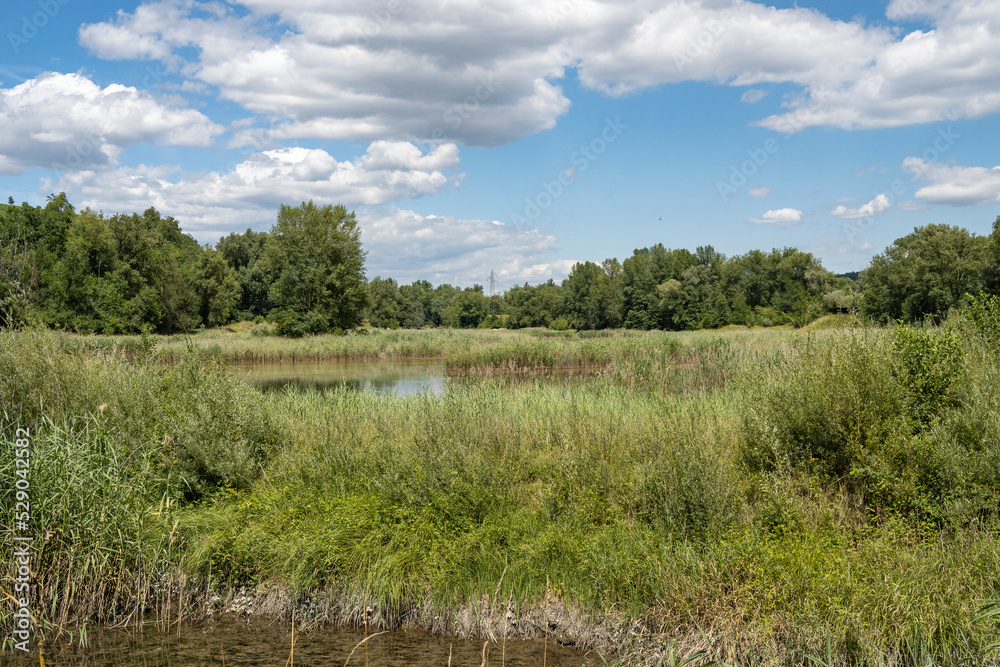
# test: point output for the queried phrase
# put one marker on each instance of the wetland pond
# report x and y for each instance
(263, 643)
(397, 377)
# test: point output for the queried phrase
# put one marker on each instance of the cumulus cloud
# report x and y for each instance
(955, 185)
(66, 122)
(358, 70)
(947, 72)
(782, 217)
(211, 204)
(880, 204)
(760, 191)
(489, 72)
(408, 246)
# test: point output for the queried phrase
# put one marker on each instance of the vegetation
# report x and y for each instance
(765, 497)
(126, 274)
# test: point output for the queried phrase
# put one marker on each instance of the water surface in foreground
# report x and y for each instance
(268, 643)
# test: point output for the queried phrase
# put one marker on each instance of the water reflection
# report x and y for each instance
(268, 643)
(399, 377)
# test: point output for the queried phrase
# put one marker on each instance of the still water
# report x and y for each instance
(228, 641)
(400, 377)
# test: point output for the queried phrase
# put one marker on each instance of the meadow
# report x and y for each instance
(813, 496)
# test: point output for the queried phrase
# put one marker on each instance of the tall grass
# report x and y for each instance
(116, 447)
(768, 497)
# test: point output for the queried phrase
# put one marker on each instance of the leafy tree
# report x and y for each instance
(316, 256)
(470, 307)
(218, 288)
(924, 274)
(593, 297)
(245, 254)
(388, 304)
(418, 297)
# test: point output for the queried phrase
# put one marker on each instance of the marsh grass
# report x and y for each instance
(750, 497)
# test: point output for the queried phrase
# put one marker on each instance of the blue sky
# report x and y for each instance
(514, 135)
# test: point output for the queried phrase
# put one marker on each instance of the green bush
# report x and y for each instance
(215, 431)
(983, 312)
(929, 364)
(829, 410)
(560, 324)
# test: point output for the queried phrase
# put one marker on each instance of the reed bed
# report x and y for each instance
(748, 497)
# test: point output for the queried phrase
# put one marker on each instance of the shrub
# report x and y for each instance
(929, 364)
(983, 312)
(830, 410)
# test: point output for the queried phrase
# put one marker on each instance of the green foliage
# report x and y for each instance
(218, 288)
(245, 255)
(929, 366)
(924, 274)
(983, 312)
(830, 409)
(315, 254)
(215, 430)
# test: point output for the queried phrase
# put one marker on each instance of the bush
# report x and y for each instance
(983, 312)
(215, 431)
(288, 324)
(829, 410)
(561, 324)
(929, 364)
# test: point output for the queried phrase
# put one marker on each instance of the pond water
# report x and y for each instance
(399, 377)
(228, 641)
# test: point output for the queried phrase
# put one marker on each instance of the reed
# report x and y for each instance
(705, 496)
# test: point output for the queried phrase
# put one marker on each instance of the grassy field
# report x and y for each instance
(746, 496)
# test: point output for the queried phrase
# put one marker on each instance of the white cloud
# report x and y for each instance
(488, 72)
(66, 121)
(912, 206)
(408, 246)
(356, 70)
(753, 96)
(955, 185)
(782, 217)
(760, 192)
(880, 204)
(214, 203)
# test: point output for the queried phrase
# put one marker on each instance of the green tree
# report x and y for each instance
(316, 256)
(245, 253)
(924, 274)
(218, 289)
(593, 295)
(388, 304)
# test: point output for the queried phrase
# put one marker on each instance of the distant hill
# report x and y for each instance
(853, 275)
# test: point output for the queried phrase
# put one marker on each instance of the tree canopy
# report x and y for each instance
(87, 272)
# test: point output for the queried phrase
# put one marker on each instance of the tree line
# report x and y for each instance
(87, 272)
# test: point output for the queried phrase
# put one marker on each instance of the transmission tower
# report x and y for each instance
(493, 291)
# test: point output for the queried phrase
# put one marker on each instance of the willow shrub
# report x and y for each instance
(896, 417)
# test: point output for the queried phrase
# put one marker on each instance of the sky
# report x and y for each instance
(514, 136)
